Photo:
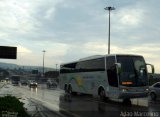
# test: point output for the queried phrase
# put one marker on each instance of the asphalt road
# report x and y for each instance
(51, 102)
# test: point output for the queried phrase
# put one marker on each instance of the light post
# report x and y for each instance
(56, 67)
(43, 61)
(109, 9)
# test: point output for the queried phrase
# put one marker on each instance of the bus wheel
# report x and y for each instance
(65, 88)
(102, 94)
(69, 93)
(70, 89)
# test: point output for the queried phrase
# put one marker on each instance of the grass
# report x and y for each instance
(10, 104)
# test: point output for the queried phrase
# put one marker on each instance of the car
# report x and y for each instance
(51, 84)
(15, 83)
(23, 82)
(7, 80)
(154, 91)
(32, 83)
(3, 81)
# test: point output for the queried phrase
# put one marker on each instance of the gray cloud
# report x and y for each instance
(79, 28)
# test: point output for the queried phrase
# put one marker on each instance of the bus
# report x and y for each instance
(119, 76)
(15, 80)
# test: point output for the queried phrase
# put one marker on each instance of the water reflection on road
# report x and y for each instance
(87, 106)
(33, 91)
(140, 102)
(82, 105)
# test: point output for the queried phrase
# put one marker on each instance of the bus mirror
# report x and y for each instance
(152, 67)
(119, 68)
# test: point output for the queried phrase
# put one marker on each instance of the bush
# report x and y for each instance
(12, 104)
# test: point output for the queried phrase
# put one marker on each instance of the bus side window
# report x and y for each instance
(91, 65)
(111, 71)
(68, 68)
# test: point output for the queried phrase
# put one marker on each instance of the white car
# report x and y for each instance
(51, 84)
(155, 91)
(32, 84)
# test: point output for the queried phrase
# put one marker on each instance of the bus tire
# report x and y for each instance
(102, 94)
(65, 88)
(70, 89)
(69, 93)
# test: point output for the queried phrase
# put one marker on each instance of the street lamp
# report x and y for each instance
(56, 67)
(43, 61)
(109, 9)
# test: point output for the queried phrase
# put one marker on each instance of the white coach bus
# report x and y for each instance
(112, 76)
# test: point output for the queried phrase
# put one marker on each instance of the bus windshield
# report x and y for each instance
(134, 72)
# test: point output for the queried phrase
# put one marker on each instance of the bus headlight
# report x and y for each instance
(124, 90)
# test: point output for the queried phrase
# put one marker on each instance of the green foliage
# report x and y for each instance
(12, 104)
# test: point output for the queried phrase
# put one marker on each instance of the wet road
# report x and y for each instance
(51, 102)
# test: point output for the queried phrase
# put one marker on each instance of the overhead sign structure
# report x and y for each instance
(7, 52)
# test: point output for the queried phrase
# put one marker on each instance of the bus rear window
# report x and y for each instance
(84, 66)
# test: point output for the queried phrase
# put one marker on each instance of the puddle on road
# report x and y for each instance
(33, 91)
(140, 102)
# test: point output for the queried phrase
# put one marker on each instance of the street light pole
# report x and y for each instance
(56, 67)
(109, 9)
(43, 61)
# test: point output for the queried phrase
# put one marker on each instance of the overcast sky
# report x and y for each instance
(73, 29)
